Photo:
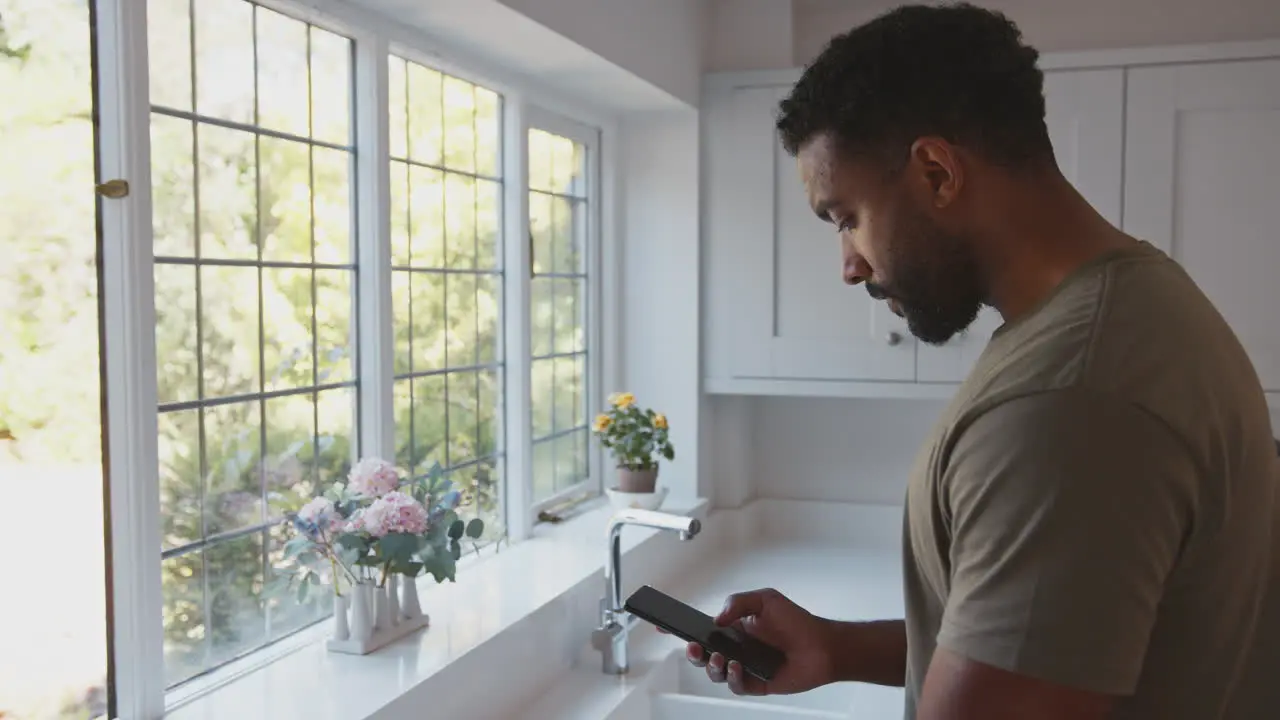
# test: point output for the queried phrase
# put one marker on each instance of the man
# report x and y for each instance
(1088, 533)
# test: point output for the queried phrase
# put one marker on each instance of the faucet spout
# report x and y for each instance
(688, 527)
(611, 637)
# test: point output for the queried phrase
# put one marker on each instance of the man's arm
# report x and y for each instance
(870, 652)
(958, 688)
(1067, 513)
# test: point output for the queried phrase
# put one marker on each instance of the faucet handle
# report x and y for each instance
(602, 640)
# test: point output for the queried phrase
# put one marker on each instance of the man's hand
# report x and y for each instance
(773, 619)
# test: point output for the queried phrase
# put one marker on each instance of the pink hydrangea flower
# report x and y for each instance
(355, 523)
(394, 512)
(318, 509)
(372, 477)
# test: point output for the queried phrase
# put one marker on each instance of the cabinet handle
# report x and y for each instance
(894, 338)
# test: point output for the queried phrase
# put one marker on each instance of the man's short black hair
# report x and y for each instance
(954, 71)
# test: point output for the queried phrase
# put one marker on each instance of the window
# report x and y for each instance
(447, 281)
(251, 147)
(282, 214)
(558, 313)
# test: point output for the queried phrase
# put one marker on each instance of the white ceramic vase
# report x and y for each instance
(341, 629)
(379, 608)
(361, 621)
(409, 606)
(393, 600)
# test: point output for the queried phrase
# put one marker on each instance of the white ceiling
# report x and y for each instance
(509, 47)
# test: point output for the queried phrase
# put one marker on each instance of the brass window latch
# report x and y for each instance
(114, 189)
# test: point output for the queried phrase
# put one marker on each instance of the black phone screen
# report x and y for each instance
(691, 625)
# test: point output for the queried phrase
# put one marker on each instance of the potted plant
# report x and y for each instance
(636, 437)
(362, 536)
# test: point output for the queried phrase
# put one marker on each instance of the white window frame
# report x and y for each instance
(123, 106)
(539, 118)
(135, 604)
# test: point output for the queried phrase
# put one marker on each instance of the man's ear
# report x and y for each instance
(935, 164)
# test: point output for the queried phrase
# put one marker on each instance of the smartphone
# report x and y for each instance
(690, 625)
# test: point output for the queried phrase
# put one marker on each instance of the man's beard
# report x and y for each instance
(934, 279)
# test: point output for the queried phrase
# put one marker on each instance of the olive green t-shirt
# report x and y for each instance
(1095, 507)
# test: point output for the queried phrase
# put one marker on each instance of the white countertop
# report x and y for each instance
(510, 639)
(496, 596)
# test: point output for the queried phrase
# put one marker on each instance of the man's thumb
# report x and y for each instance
(741, 605)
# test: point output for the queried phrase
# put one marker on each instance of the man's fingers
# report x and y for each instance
(742, 682)
(716, 668)
(741, 605)
(721, 670)
(695, 655)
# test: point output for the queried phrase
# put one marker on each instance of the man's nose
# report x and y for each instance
(856, 269)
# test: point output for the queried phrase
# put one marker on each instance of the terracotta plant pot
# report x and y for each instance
(637, 481)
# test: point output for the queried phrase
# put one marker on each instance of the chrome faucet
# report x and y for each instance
(615, 622)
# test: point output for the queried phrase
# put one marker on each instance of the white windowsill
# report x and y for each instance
(493, 593)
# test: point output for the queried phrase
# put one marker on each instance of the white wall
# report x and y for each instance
(659, 272)
(593, 56)
(841, 450)
(727, 471)
(748, 35)
(775, 34)
(848, 450)
(1054, 25)
(657, 40)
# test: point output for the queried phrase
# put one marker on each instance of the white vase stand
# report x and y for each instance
(383, 621)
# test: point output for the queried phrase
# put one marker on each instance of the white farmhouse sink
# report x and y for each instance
(682, 692)
(675, 706)
(831, 699)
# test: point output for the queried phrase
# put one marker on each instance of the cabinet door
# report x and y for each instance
(1202, 149)
(794, 316)
(1084, 112)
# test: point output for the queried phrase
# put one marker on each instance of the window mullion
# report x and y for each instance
(128, 306)
(605, 258)
(373, 251)
(516, 325)
(603, 299)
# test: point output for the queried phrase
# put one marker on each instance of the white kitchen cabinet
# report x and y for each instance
(776, 292)
(1084, 112)
(1182, 154)
(1202, 153)
(777, 307)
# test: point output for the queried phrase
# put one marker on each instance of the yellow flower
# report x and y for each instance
(660, 421)
(602, 423)
(622, 401)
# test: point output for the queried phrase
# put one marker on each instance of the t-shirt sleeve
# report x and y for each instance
(1067, 512)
